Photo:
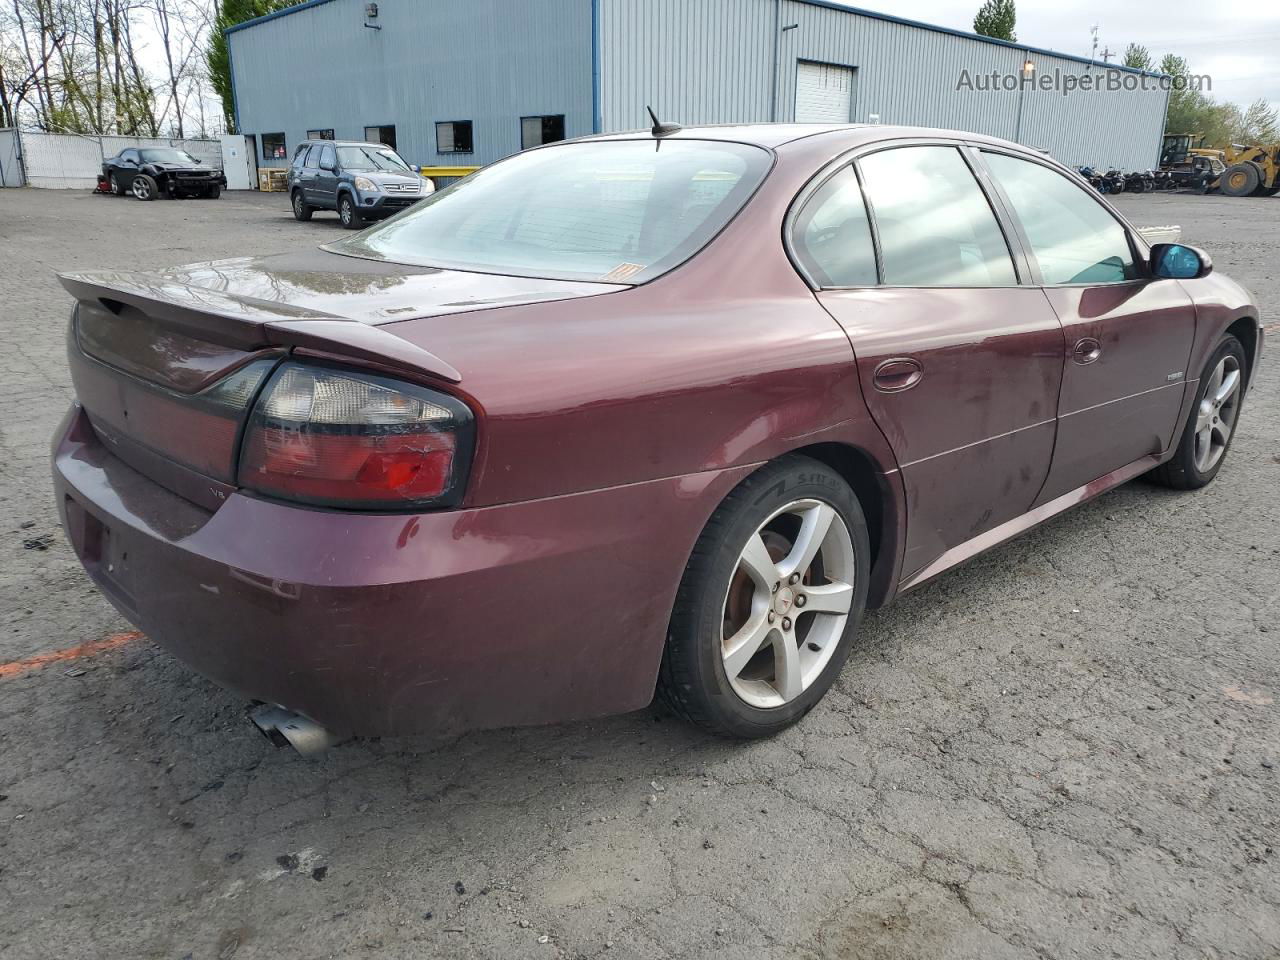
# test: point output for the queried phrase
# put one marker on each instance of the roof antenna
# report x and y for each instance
(659, 128)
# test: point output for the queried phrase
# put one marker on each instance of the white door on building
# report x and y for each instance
(824, 93)
(238, 162)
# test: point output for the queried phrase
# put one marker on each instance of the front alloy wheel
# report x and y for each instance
(1216, 415)
(769, 603)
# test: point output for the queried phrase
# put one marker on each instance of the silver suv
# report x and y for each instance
(362, 181)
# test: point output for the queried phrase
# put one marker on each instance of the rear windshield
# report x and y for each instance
(371, 158)
(619, 211)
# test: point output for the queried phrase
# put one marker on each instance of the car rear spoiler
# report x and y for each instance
(247, 323)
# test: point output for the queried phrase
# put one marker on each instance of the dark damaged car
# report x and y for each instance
(151, 172)
(647, 411)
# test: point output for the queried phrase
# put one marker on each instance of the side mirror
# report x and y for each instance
(1177, 261)
(415, 168)
(328, 167)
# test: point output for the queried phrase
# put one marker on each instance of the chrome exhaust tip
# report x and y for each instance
(284, 727)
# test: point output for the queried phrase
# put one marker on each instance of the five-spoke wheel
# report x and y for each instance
(787, 603)
(1216, 414)
(770, 601)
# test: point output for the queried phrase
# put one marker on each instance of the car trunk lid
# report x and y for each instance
(167, 365)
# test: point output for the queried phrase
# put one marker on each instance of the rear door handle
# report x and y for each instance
(897, 374)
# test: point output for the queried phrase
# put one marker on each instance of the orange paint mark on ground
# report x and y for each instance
(16, 667)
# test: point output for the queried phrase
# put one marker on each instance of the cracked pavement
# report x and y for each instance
(1068, 748)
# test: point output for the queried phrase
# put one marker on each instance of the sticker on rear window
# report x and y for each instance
(623, 271)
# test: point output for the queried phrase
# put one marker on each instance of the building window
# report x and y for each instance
(538, 130)
(273, 146)
(385, 135)
(320, 134)
(454, 136)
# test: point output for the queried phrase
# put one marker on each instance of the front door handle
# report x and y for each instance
(897, 374)
(1087, 350)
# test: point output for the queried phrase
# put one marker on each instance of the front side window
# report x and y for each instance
(454, 136)
(273, 146)
(313, 157)
(327, 158)
(385, 134)
(371, 158)
(1074, 239)
(935, 226)
(831, 236)
(130, 156)
(620, 211)
(535, 131)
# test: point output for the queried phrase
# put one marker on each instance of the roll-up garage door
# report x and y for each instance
(824, 93)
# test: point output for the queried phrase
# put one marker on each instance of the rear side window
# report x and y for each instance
(1074, 239)
(313, 157)
(831, 236)
(935, 226)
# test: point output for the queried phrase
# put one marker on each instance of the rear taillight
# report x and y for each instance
(340, 438)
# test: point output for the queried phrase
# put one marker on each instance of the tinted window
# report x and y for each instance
(130, 155)
(535, 131)
(619, 211)
(1073, 237)
(326, 134)
(384, 134)
(832, 237)
(933, 220)
(454, 136)
(273, 146)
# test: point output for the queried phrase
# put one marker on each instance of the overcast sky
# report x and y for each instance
(1234, 41)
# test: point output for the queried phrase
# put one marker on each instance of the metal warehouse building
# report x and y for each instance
(466, 84)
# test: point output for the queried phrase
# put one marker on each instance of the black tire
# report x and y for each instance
(116, 189)
(144, 187)
(692, 680)
(300, 209)
(214, 192)
(1180, 471)
(348, 213)
(1239, 180)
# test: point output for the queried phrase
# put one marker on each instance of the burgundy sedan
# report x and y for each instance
(665, 410)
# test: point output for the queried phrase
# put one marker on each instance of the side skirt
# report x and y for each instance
(1032, 518)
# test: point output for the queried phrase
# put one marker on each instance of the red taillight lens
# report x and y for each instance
(340, 438)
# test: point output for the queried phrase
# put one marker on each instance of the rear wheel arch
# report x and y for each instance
(858, 468)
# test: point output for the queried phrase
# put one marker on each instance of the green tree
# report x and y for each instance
(1259, 124)
(218, 55)
(1138, 57)
(996, 18)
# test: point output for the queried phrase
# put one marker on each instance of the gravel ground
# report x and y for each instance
(1068, 748)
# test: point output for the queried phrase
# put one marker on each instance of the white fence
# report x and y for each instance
(10, 168)
(71, 160)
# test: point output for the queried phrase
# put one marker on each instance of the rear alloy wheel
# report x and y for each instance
(144, 187)
(1239, 180)
(116, 189)
(300, 209)
(1207, 434)
(769, 603)
(348, 213)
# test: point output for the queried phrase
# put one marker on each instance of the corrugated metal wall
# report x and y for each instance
(487, 61)
(712, 61)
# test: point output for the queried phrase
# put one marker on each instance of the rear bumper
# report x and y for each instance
(393, 624)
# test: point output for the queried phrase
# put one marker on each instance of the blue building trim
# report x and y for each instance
(273, 16)
(920, 24)
(596, 122)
